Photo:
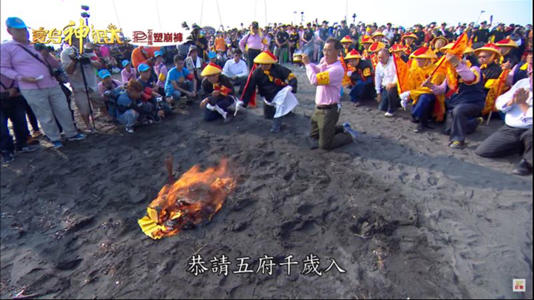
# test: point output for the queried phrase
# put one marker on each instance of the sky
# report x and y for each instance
(168, 15)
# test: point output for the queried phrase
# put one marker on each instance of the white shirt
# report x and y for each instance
(76, 78)
(385, 75)
(515, 117)
(232, 68)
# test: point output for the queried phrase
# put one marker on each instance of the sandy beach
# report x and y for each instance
(401, 213)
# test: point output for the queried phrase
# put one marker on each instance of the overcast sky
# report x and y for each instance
(167, 15)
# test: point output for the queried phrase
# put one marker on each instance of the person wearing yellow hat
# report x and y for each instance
(361, 77)
(219, 89)
(465, 101)
(366, 42)
(423, 99)
(509, 51)
(274, 83)
(437, 43)
(488, 57)
(400, 50)
(373, 50)
(347, 43)
(409, 42)
(378, 36)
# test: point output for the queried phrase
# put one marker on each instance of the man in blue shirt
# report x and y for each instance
(180, 81)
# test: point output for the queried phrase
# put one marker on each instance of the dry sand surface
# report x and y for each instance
(401, 213)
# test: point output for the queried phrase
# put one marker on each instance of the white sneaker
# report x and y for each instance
(388, 115)
(129, 130)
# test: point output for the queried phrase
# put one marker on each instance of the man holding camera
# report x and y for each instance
(81, 69)
(21, 62)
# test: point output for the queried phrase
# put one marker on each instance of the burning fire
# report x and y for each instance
(183, 203)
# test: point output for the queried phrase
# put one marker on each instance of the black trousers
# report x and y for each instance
(251, 54)
(506, 141)
(461, 120)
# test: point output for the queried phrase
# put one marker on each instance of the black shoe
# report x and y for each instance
(312, 143)
(419, 128)
(457, 145)
(523, 168)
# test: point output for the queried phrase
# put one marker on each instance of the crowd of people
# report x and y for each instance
(417, 69)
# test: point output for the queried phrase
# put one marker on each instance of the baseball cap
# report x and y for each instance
(103, 73)
(14, 22)
(157, 53)
(125, 63)
(143, 67)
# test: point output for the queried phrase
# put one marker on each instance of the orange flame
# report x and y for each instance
(195, 197)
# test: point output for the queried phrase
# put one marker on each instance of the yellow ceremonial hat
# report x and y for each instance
(423, 52)
(491, 47)
(409, 35)
(439, 38)
(506, 43)
(211, 69)
(446, 47)
(397, 48)
(346, 39)
(377, 33)
(353, 54)
(366, 39)
(265, 58)
(468, 50)
(376, 46)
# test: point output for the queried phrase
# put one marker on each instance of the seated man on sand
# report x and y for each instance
(180, 81)
(516, 135)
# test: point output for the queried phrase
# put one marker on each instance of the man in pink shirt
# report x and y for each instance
(21, 62)
(252, 44)
(128, 72)
(327, 76)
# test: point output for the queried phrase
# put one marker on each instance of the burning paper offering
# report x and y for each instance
(196, 197)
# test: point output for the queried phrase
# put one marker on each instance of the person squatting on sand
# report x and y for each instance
(274, 82)
(220, 93)
(327, 76)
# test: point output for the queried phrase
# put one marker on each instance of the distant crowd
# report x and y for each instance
(395, 66)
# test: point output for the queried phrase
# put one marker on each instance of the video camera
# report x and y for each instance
(39, 47)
